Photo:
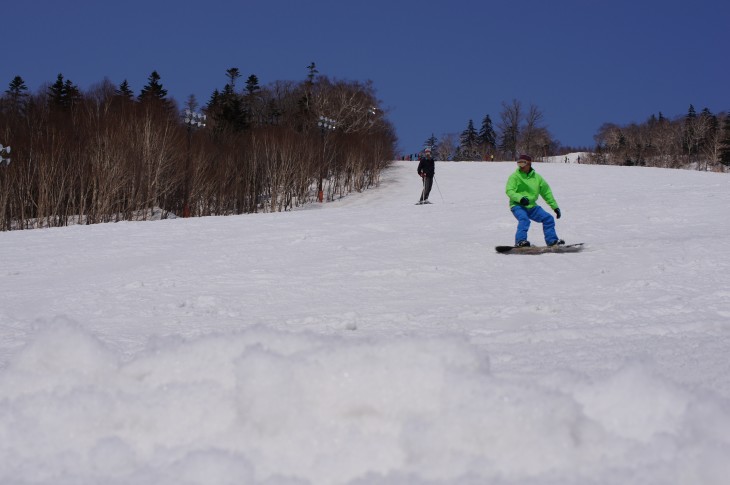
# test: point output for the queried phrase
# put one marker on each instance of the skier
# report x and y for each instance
(426, 169)
(523, 188)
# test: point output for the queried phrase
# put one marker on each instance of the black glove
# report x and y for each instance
(557, 212)
(524, 202)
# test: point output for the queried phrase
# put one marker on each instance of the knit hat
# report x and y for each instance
(427, 150)
(526, 158)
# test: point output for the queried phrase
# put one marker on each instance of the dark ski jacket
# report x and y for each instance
(426, 166)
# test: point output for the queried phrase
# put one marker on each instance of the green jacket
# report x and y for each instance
(529, 185)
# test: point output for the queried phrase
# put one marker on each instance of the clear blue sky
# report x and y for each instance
(434, 64)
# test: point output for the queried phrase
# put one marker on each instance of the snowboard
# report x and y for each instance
(565, 248)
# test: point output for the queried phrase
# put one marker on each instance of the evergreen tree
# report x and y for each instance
(470, 137)
(17, 88)
(252, 85)
(233, 74)
(312, 68)
(226, 108)
(72, 94)
(212, 109)
(214, 101)
(124, 91)
(487, 136)
(431, 142)
(56, 91)
(63, 94)
(17, 93)
(153, 90)
(308, 86)
(469, 143)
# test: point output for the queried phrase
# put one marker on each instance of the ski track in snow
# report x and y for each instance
(372, 339)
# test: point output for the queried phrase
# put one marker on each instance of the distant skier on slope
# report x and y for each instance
(523, 188)
(426, 169)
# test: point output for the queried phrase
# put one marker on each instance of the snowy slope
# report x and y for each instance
(371, 340)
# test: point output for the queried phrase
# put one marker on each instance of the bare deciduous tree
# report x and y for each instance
(510, 121)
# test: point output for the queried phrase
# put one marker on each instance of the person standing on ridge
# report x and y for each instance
(523, 188)
(426, 169)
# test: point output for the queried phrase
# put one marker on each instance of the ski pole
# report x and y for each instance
(439, 189)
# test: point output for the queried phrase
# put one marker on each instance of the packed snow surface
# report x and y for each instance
(371, 340)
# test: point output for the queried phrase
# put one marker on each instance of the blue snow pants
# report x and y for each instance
(537, 214)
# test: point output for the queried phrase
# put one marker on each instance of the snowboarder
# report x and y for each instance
(426, 169)
(523, 188)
